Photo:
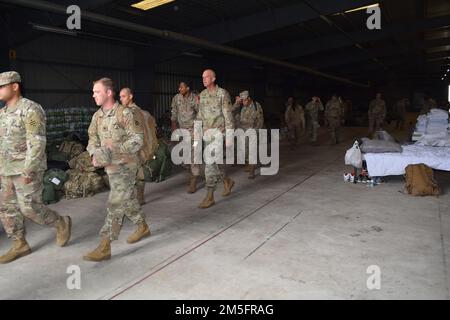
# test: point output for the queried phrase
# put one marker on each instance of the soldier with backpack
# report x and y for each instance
(150, 141)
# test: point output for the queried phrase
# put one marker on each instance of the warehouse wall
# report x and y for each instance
(233, 78)
(58, 70)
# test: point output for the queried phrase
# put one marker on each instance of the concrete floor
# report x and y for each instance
(303, 234)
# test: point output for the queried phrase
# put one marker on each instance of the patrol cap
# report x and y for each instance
(103, 157)
(9, 77)
(244, 95)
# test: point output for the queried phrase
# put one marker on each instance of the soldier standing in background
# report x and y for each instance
(334, 117)
(377, 113)
(251, 117)
(150, 141)
(215, 112)
(295, 120)
(184, 111)
(115, 138)
(22, 165)
(312, 110)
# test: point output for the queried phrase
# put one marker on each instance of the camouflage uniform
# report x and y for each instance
(334, 114)
(377, 114)
(22, 152)
(119, 128)
(312, 110)
(251, 117)
(184, 112)
(295, 120)
(236, 109)
(215, 112)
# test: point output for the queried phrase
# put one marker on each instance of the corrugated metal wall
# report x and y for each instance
(58, 70)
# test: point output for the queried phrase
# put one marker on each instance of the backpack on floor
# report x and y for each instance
(160, 168)
(54, 180)
(420, 181)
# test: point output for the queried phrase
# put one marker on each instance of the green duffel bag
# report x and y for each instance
(55, 178)
(49, 195)
(160, 168)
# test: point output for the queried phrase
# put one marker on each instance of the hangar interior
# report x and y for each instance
(301, 234)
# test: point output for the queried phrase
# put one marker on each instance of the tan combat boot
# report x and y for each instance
(20, 249)
(192, 184)
(208, 201)
(252, 172)
(101, 253)
(141, 232)
(140, 194)
(63, 230)
(228, 184)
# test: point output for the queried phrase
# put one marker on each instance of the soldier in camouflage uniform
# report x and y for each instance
(312, 110)
(334, 117)
(215, 113)
(184, 111)
(148, 148)
(295, 120)
(377, 113)
(115, 137)
(251, 117)
(22, 165)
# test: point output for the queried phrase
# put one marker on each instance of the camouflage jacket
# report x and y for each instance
(252, 117)
(23, 140)
(312, 110)
(215, 110)
(118, 128)
(377, 107)
(333, 109)
(184, 110)
(294, 116)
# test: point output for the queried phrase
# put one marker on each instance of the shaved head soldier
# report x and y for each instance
(150, 141)
(215, 112)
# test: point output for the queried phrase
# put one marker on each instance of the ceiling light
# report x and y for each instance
(51, 29)
(363, 8)
(150, 4)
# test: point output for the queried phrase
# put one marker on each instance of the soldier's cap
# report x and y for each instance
(244, 95)
(9, 77)
(102, 156)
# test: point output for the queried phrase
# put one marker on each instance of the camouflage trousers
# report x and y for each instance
(334, 126)
(313, 126)
(295, 131)
(122, 201)
(214, 173)
(20, 201)
(195, 169)
(140, 180)
(375, 122)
